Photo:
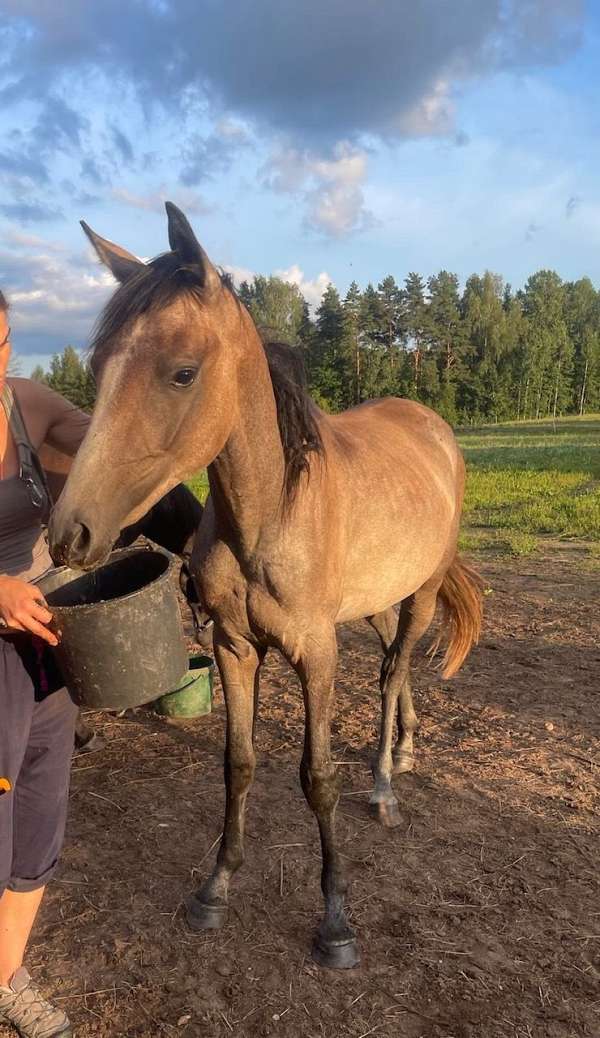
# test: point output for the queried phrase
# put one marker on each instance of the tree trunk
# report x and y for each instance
(556, 392)
(417, 353)
(583, 387)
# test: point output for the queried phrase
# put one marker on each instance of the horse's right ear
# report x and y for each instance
(123, 264)
(183, 241)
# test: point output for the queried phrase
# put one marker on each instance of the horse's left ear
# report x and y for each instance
(123, 264)
(183, 241)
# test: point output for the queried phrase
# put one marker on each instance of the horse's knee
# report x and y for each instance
(239, 773)
(321, 786)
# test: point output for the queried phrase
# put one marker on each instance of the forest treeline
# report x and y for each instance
(483, 354)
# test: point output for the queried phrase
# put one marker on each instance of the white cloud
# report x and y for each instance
(431, 115)
(232, 131)
(154, 201)
(15, 236)
(312, 289)
(331, 186)
(55, 295)
(239, 274)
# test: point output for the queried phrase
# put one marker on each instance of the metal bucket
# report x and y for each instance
(122, 642)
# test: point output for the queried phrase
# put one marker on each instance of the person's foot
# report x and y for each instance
(23, 1006)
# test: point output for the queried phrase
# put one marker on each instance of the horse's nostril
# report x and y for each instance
(82, 538)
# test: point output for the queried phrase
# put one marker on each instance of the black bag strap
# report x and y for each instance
(31, 471)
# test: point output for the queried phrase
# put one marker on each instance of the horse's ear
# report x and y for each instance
(122, 263)
(183, 241)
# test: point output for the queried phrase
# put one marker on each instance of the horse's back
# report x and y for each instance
(390, 428)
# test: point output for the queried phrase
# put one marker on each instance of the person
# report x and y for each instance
(37, 716)
(40, 432)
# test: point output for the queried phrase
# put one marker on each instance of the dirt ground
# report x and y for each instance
(478, 918)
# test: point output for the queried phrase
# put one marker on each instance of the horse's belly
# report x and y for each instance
(375, 580)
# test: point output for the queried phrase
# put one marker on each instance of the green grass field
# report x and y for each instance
(529, 480)
(526, 481)
(199, 485)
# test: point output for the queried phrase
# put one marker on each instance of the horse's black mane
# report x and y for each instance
(165, 278)
(296, 412)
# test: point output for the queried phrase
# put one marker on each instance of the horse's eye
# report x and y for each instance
(183, 378)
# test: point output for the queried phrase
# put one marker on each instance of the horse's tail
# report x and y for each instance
(462, 601)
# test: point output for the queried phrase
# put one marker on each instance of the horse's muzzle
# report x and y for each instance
(76, 543)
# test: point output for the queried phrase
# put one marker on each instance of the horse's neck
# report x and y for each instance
(246, 478)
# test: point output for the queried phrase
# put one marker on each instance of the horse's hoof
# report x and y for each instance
(403, 762)
(387, 813)
(93, 743)
(202, 916)
(336, 955)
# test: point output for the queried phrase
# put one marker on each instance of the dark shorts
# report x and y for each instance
(37, 722)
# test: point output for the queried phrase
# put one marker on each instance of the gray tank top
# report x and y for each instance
(24, 506)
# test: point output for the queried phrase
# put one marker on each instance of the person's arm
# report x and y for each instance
(23, 608)
(60, 427)
(66, 424)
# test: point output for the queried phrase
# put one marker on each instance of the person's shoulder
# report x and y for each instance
(37, 399)
(18, 384)
(27, 389)
(21, 388)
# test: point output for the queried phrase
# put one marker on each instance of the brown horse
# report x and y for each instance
(313, 520)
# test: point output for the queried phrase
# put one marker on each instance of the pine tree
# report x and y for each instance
(415, 322)
(73, 379)
(549, 349)
(275, 305)
(445, 336)
(377, 374)
(485, 385)
(14, 366)
(330, 367)
(582, 314)
(352, 334)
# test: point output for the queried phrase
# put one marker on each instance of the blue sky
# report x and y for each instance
(321, 140)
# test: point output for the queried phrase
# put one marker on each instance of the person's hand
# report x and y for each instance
(23, 608)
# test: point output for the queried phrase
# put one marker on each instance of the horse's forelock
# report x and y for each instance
(153, 287)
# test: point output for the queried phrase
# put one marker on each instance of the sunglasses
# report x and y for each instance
(6, 338)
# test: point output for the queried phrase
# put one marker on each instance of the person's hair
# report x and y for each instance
(3, 302)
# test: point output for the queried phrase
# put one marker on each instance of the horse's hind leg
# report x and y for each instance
(408, 722)
(416, 614)
(386, 625)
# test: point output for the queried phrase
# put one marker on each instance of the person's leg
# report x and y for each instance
(36, 744)
(41, 793)
(17, 701)
(17, 916)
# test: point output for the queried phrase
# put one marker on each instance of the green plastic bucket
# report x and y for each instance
(193, 695)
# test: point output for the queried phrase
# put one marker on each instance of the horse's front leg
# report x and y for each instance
(206, 908)
(334, 944)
